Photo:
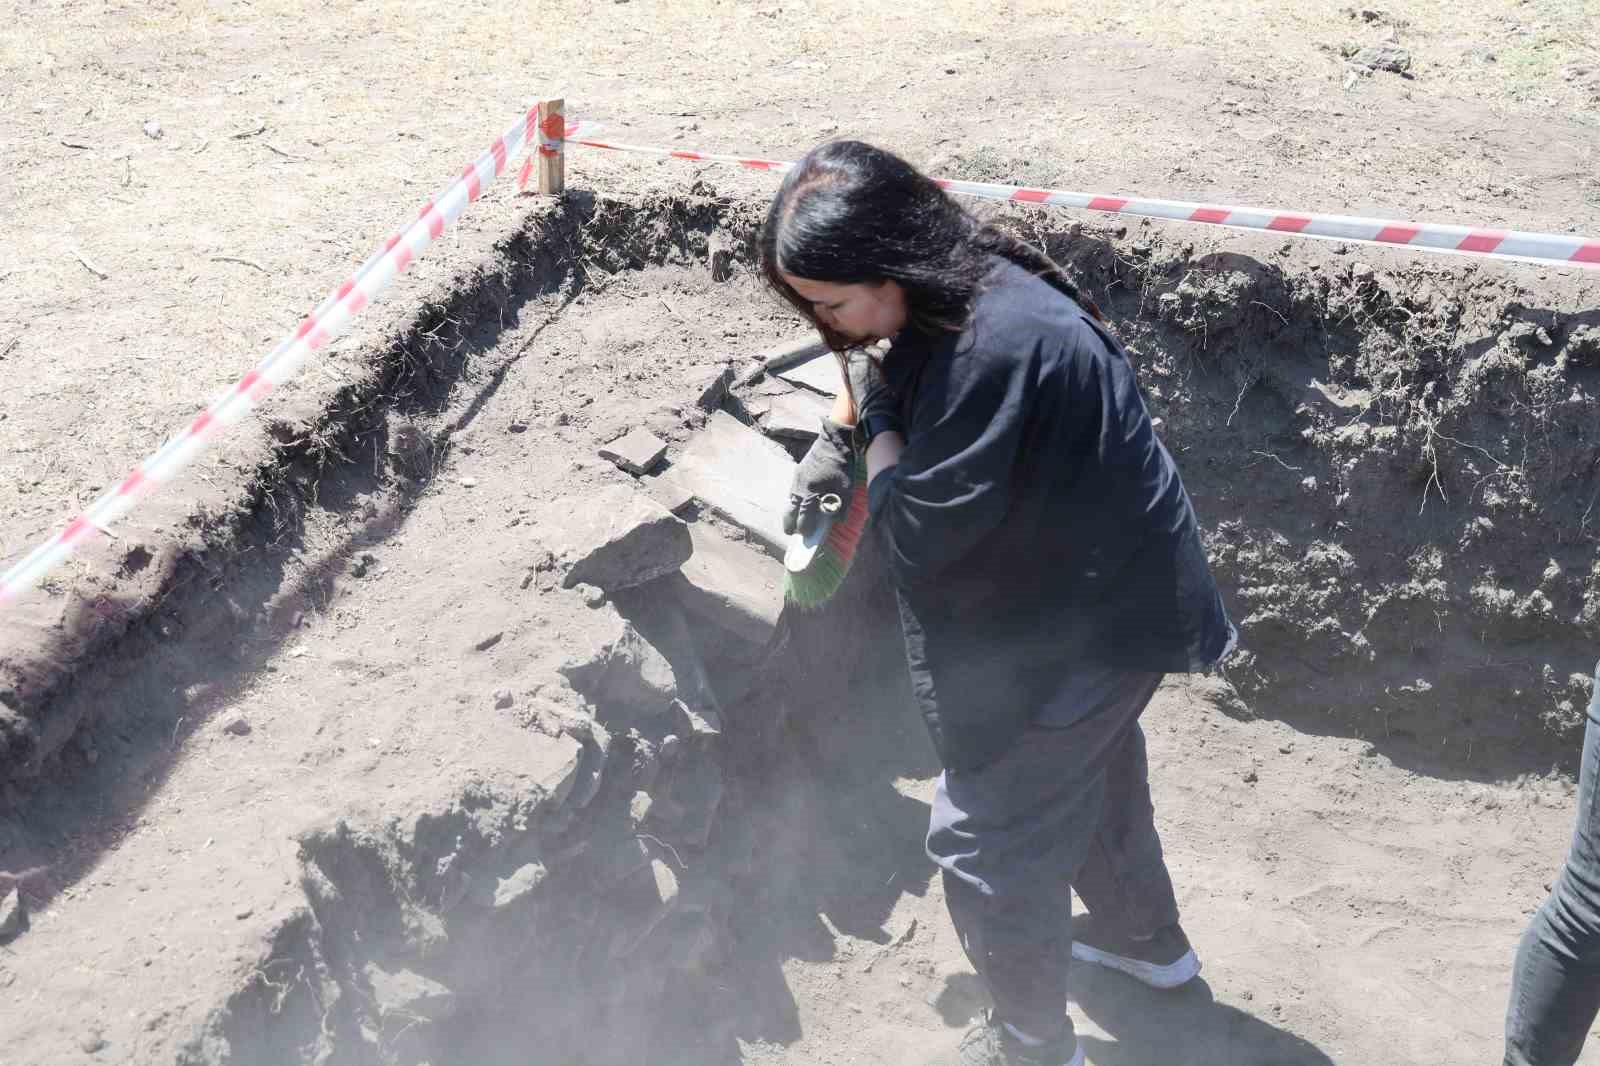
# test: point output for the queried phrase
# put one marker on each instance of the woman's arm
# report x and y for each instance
(883, 453)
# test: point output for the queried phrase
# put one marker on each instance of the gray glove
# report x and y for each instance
(828, 470)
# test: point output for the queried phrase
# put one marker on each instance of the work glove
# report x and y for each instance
(823, 481)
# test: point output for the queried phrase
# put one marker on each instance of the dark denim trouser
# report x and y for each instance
(1068, 804)
(1555, 988)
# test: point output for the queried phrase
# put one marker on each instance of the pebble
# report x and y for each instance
(153, 130)
(243, 913)
(239, 727)
(468, 482)
(1251, 777)
(93, 1043)
(489, 641)
(503, 699)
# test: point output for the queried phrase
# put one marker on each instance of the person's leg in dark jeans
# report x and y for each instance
(1010, 835)
(1132, 923)
(1555, 986)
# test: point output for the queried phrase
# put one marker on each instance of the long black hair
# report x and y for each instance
(849, 213)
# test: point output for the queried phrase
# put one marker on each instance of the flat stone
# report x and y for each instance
(731, 585)
(710, 385)
(797, 414)
(820, 374)
(668, 493)
(407, 995)
(638, 452)
(740, 474)
(617, 538)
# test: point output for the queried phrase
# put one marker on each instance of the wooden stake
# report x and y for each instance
(553, 161)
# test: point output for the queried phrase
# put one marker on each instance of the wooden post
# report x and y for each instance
(552, 158)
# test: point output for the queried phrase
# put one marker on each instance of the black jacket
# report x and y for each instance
(1035, 525)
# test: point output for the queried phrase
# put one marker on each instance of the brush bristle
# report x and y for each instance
(817, 583)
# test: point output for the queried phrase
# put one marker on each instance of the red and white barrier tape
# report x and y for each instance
(1549, 248)
(327, 321)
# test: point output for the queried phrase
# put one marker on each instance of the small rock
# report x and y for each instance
(243, 912)
(517, 426)
(468, 482)
(93, 1043)
(239, 727)
(1309, 484)
(697, 723)
(1251, 777)
(503, 699)
(1285, 749)
(152, 129)
(638, 452)
(409, 996)
(1387, 57)
(593, 595)
(489, 641)
(519, 884)
(364, 563)
(639, 807)
(12, 914)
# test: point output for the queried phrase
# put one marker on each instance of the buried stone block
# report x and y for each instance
(623, 675)
(740, 474)
(730, 585)
(797, 415)
(617, 538)
(820, 375)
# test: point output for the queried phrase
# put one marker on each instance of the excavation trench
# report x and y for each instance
(605, 840)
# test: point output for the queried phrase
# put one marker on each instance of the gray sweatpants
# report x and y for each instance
(1068, 804)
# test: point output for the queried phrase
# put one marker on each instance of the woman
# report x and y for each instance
(1047, 562)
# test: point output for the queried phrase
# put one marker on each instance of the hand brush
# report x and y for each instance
(815, 566)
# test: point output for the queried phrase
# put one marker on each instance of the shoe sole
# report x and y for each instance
(1171, 975)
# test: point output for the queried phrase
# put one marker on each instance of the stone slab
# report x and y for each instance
(637, 452)
(797, 414)
(731, 585)
(740, 474)
(668, 493)
(820, 374)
